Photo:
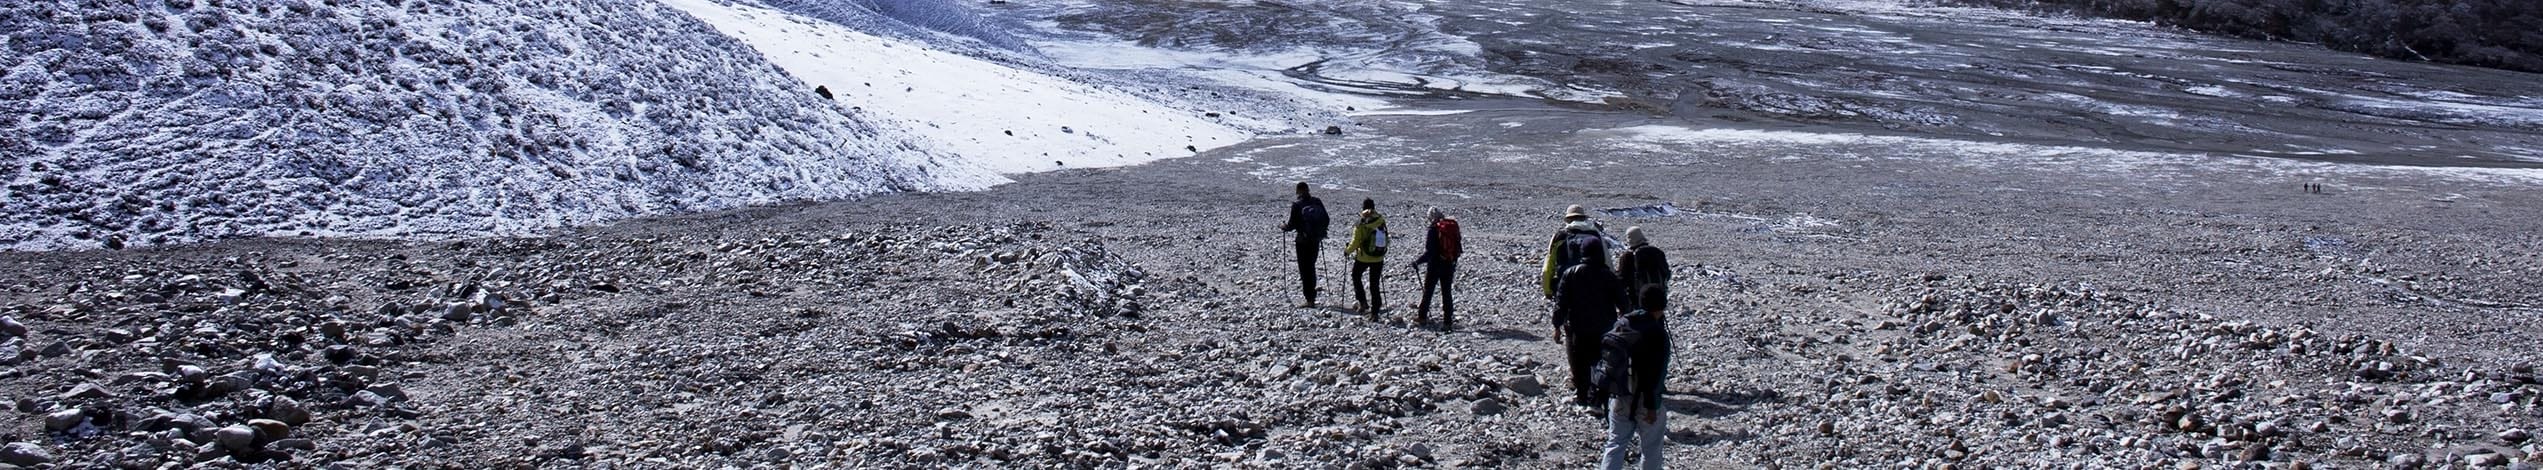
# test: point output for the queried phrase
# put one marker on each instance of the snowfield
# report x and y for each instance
(999, 119)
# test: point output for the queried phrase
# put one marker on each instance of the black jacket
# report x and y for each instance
(1308, 230)
(1588, 300)
(1644, 343)
(1642, 265)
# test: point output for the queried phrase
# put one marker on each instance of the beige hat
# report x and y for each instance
(1633, 236)
(1575, 212)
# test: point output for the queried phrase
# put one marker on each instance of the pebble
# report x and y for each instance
(1487, 406)
(25, 454)
(63, 420)
(269, 430)
(10, 327)
(235, 438)
(1524, 384)
(2406, 461)
(2514, 436)
(87, 390)
(287, 410)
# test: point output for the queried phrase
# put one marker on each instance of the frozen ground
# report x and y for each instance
(1868, 65)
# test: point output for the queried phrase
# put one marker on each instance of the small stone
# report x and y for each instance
(1487, 407)
(293, 444)
(951, 413)
(2406, 461)
(231, 296)
(192, 374)
(287, 410)
(1828, 427)
(458, 312)
(2485, 459)
(2267, 429)
(269, 430)
(1524, 384)
(2396, 416)
(59, 421)
(10, 327)
(2255, 453)
(25, 454)
(2514, 436)
(236, 438)
(87, 390)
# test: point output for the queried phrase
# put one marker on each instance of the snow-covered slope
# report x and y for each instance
(994, 117)
(176, 120)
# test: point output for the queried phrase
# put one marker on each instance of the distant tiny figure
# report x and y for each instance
(1440, 250)
(1307, 218)
(1635, 370)
(1587, 302)
(1642, 265)
(1368, 258)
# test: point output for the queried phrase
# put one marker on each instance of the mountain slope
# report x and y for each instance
(178, 120)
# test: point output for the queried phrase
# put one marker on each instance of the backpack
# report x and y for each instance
(1580, 247)
(1314, 219)
(1449, 246)
(1377, 241)
(1614, 371)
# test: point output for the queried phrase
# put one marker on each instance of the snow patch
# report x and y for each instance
(985, 115)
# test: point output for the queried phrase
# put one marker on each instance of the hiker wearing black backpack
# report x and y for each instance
(1587, 300)
(1307, 218)
(1368, 258)
(1576, 223)
(1634, 367)
(1642, 265)
(1440, 250)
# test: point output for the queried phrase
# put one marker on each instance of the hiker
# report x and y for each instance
(1575, 223)
(1586, 303)
(1642, 265)
(1368, 258)
(1634, 369)
(1440, 250)
(1307, 218)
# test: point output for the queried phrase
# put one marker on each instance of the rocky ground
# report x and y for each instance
(1837, 307)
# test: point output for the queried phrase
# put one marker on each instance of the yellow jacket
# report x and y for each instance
(1364, 234)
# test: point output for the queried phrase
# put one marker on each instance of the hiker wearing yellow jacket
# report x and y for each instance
(1368, 258)
(1575, 223)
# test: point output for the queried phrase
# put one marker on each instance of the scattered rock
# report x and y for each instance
(236, 438)
(1524, 385)
(1488, 406)
(63, 420)
(25, 454)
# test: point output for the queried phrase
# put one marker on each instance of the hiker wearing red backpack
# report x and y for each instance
(1439, 259)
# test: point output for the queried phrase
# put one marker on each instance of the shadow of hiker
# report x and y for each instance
(1708, 435)
(1717, 404)
(1509, 334)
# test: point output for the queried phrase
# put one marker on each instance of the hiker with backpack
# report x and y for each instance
(1634, 368)
(1575, 223)
(1587, 300)
(1307, 218)
(1368, 258)
(1642, 265)
(1440, 250)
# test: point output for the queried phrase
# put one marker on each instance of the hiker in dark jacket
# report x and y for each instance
(1368, 257)
(1642, 265)
(1634, 417)
(1440, 249)
(1307, 218)
(1586, 303)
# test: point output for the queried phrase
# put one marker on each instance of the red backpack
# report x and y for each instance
(1448, 239)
